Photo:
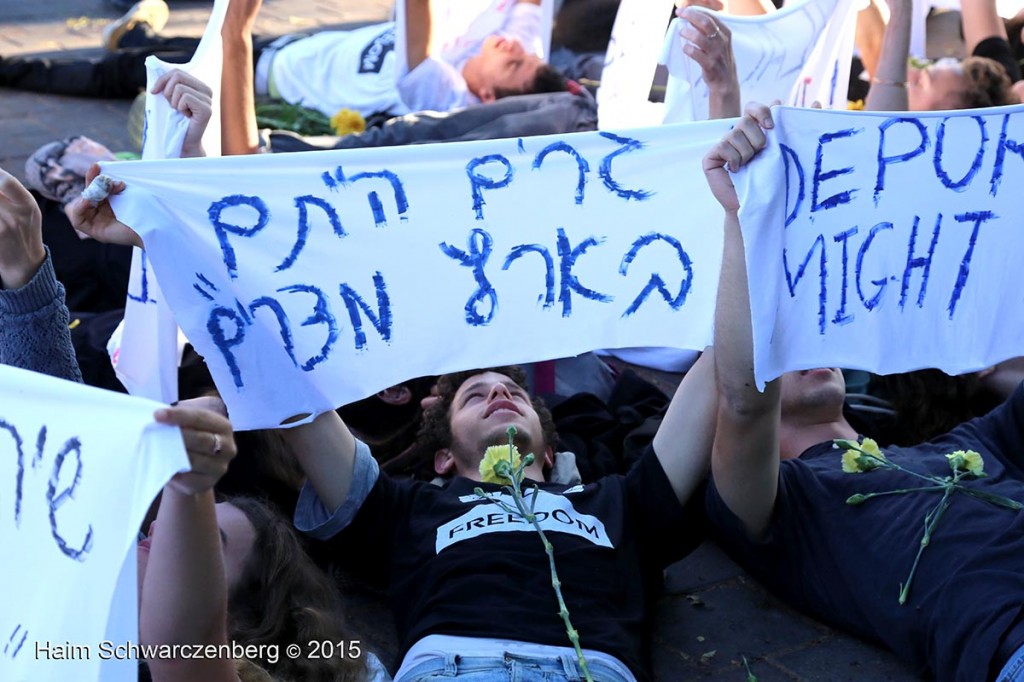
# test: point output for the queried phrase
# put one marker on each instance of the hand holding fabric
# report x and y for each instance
(192, 98)
(209, 442)
(734, 150)
(709, 43)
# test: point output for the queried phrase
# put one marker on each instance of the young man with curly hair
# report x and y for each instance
(466, 575)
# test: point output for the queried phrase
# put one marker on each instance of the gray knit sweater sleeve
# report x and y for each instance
(34, 331)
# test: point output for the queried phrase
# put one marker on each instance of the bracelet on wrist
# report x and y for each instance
(895, 84)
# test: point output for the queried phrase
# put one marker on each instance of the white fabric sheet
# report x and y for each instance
(886, 242)
(79, 467)
(426, 259)
(798, 55)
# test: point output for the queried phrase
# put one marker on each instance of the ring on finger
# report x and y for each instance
(216, 444)
(713, 34)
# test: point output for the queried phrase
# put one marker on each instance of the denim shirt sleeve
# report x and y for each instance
(315, 519)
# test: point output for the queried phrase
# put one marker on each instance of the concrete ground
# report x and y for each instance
(711, 615)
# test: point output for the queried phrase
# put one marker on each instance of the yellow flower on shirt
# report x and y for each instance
(496, 466)
(860, 457)
(967, 460)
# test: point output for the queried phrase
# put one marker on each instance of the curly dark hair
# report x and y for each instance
(987, 84)
(283, 597)
(436, 432)
(547, 79)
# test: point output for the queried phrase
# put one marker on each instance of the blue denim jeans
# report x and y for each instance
(509, 668)
(1013, 671)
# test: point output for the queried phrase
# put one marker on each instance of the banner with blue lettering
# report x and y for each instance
(886, 242)
(311, 280)
(79, 468)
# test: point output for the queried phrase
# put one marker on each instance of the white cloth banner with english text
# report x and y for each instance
(311, 280)
(79, 468)
(886, 242)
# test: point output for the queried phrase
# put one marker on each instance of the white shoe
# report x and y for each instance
(152, 12)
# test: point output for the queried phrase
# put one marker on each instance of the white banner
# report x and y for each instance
(886, 243)
(146, 348)
(458, 24)
(629, 65)
(79, 468)
(311, 280)
(799, 55)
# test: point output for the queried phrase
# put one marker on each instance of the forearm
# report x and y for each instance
(239, 131)
(418, 32)
(980, 20)
(724, 101)
(184, 593)
(749, 8)
(734, 356)
(871, 23)
(34, 332)
(745, 457)
(683, 441)
(326, 450)
(889, 85)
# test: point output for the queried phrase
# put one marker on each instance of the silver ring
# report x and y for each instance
(713, 35)
(216, 444)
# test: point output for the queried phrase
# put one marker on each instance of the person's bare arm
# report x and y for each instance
(418, 32)
(709, 43)
(326, 451)
(980, 20)
(239, 132)
(889, 84)
(745, 456)
(871, 23)
(184, 597)
(749, 8)
(683, 441)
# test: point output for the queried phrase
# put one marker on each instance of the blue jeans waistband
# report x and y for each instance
(510, 668)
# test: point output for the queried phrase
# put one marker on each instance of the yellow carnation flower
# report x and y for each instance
(496, 467)
(869, 446)
(855, 456)
(967, 460)
(850, 463)
(347, 121)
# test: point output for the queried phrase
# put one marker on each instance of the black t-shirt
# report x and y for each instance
(458, 565)
(844, 564)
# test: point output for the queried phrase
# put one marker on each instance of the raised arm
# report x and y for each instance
(184, 593)
(326, 452)
(745, 457)
(871, 23)
(418, 32)
(239, 131)
(709, 43)
(980, 20)
(683, 441)
(889, 85)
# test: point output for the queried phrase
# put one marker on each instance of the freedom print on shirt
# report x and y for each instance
(555, 514)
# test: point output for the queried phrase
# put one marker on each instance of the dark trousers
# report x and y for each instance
(115, 75)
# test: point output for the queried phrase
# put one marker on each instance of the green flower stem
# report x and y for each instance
(563, 610)
(517, 474)
(931, 519)
(864, 497)
(991, 497)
